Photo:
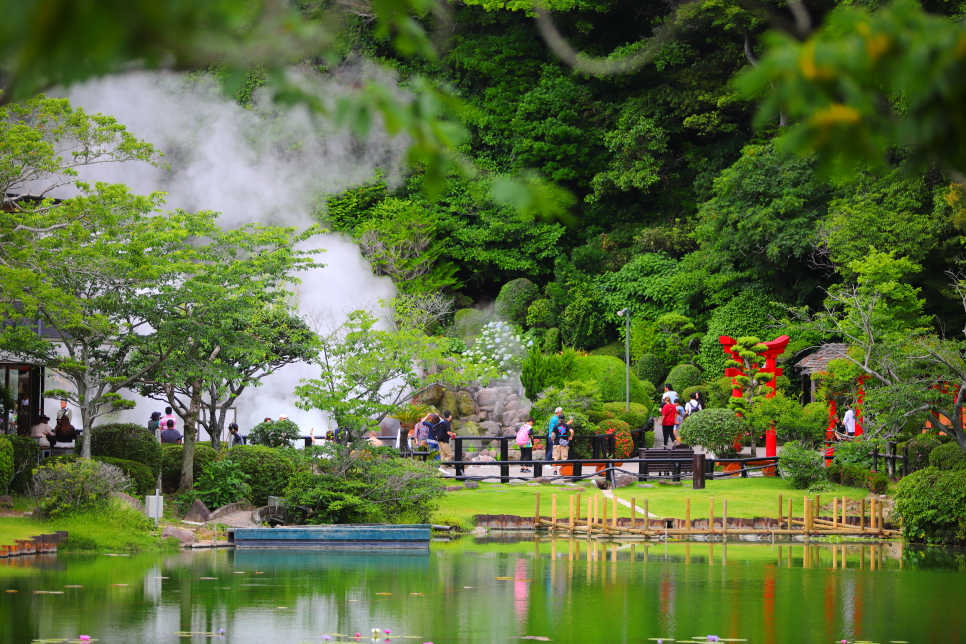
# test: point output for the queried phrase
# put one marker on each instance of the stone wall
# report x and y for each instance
(498, 410)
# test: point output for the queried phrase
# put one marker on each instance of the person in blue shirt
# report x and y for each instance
(555, 420)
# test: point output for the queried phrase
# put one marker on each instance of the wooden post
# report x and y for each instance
(536, 515)
(571, 515)
(698, 467)
(711, 513)
(687, 512)
(881, 521)
(835, 513)
(724, 517)
(614, 508)
(647, 516)
(603, 523)
(553, 512)
(808, 516)
(818, 504)
(872, 515)
(781, 509)
(577, 503)
(862, 514)
(790, 515)
(633, 517)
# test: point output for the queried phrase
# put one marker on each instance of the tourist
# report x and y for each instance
(848, 421)
(154, 423)
(525, 441)
(669, 392)
(169, 434)
(41, 431)
(430, 421)
(678, 419)
(64, 433)
(234, 438)
(669, 415)
(168, 415)
(267, 420)
(443, 431)
(563, 433)
(63, 411)
(694, 405)
(556, 419)
(374, 439)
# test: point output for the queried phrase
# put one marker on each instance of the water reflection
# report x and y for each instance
(495, 590)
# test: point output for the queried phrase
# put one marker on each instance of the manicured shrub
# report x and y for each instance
(583, 324)
(171, 458)
(143, 480)
(608, 373)
(801, 466)
(857, 452)
(515, 298)
(930, 505)
(948, 457)
(6, 464)
(877, 482)
(268, 469)
(24, 461)
(716, 430)
(278, 433)
(623, 443)
(855, 476)
(221, 483)
(919, 449)
(636, 417)
(468, 323)
(684, 376)
(651, 368)
(551, 340)
(84, 485)
(127, 441)
(540, 314)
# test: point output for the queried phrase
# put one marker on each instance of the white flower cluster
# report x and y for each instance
(498, 345)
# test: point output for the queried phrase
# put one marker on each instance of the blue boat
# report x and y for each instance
(334, 537)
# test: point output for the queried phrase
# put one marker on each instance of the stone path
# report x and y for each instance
(610, 495)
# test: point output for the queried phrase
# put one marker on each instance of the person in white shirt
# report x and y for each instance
(849, 421)
(670, 392)
(693, 405)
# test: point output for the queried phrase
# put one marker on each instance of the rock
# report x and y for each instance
(231, 508)
(624, 480)
(122, 497)
(602, 484)
(485, 458)
(6, 501)
(487, 397)
(478, 531)
(587, 483)
(465, 405)
(512, 398)
(506, 391)
(645, 485)
(497, 414)
(186, 537)
(558, 482)
(471, 485)
(490, 428)
(541, 480)
(454, 488)
(198, 512)
(533, 484)
(471, 428)
(514, 455)
(539, 454)
(472, 418)
(511, 406)
(483, 415)
(517, 483)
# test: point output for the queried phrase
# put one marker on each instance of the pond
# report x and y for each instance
(494, 590)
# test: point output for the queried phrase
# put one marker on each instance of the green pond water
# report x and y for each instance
(494, 591)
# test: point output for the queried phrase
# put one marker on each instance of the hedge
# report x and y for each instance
(24, 461)
(142, 479)
(127, 441)
(609, 373)
(919, 449)
(637, 417)
(171, 457)
(930, 505)
(6, 464)
(948, 457)
(855, 476)
(268, 469)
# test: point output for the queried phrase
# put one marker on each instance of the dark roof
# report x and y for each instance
(818, 360)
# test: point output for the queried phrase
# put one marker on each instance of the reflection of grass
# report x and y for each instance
(756, 497)
(116, 529)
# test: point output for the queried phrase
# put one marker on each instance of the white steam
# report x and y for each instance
(261, 165)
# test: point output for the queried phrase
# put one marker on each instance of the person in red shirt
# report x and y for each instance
(669, 415)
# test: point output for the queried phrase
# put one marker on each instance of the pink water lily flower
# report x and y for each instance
(84, 638)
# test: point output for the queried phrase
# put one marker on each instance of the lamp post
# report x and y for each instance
(626, 314)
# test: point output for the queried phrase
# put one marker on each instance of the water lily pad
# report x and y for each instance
(12, 591)
(120, 585)
(505, 578)
(383, 593)
(417, 594)
(208, 578)
(74, 586)
(539, 638)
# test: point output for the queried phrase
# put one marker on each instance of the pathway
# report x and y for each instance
(610, 495)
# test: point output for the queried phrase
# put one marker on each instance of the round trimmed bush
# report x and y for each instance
(128, 441)
(931, 506)
(650, 367)
(6, 464)
(637, 417)
(172, 456)
(277, 433)
(684, 376)
(802, 467)
(268, 469)
(623, 443)
(716, 430)
(515, 298)
(948, 457)
(919, 449)
(540, 314)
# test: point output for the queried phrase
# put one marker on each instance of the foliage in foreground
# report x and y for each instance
(220, 483)
(6, 464)
(931, 506)
(63, 489)
(803, 467)
(361, 484)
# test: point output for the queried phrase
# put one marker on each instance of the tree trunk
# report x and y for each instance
(86, 424)
(190, 432)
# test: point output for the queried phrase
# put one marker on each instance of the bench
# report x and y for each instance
(683, 462)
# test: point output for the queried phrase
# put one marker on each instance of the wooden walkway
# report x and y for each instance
(595, 521)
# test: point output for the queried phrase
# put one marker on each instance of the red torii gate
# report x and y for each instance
(772, 350)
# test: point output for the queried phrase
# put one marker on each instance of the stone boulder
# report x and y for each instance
(186, 537)
(487, 398)
(484, 458)
(511, 406)
(471, 485)
(472, 418)
(539, 454)
(624, 480)
(490, 428)
(198, 512)
(454, 488)
(470, 428)
(127, 499)
(465, 405)
(514, 454)
(497, 414)
(230, 509)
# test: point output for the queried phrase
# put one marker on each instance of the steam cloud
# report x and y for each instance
(260, 166)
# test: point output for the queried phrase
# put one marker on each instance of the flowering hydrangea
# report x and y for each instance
(498, 345)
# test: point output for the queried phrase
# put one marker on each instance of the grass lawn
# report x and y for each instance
(756, 497)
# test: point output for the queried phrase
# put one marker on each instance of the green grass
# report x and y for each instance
(747, 498)
(115, 529)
